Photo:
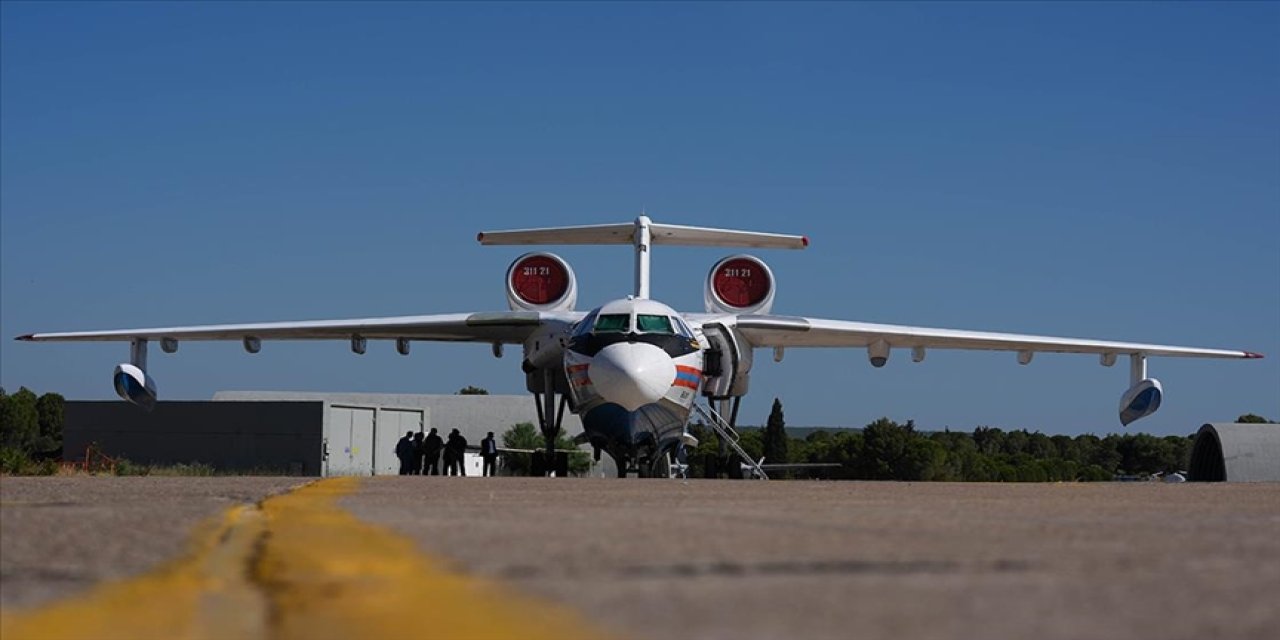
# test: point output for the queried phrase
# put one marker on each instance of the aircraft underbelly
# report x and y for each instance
(652, 423)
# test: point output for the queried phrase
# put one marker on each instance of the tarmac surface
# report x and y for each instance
(741, 559)
(62, 535)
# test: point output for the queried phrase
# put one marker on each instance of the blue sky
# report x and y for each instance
(1100, 170)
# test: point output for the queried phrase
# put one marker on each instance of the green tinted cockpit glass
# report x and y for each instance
(653, 324)
(613, 323)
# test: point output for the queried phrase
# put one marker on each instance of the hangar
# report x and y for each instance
(1233, 452)
(298, 433)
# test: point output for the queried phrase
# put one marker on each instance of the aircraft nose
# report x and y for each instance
(632, 374)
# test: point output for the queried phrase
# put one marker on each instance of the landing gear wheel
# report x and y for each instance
(657, 467)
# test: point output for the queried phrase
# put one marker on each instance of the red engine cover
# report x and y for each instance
(742, 282)
(539, 280)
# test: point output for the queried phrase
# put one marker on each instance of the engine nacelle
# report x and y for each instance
(134, 386)
(541, 281)
(739, 284)
(1141, 400)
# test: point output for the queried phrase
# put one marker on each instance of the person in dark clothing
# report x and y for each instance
(454, 449)
(489, 451)
(404, 451)
(431, 452)
(419, 452)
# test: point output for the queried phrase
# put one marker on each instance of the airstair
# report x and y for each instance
(730, 436)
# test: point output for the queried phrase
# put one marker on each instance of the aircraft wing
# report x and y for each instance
(793, 331)
(501, 327)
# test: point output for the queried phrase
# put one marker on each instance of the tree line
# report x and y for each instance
(890, 450)
(30, 431)
(31, 434)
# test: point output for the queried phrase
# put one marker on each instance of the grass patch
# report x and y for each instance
(16, 462)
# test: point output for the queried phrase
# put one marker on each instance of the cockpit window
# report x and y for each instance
(613, 323)
(682, 328)
(584, 326)
(654, 324)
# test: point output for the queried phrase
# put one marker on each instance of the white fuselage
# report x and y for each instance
(634, 368)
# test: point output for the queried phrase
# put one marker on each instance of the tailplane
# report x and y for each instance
(643, 233)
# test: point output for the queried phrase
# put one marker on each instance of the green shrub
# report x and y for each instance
(16, 462)
(126, 467)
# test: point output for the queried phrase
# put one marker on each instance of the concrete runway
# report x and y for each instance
(726, 559)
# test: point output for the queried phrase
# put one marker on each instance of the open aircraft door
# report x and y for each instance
(727, 368)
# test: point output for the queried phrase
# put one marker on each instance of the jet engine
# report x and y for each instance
(739, 284)
(541, 281)
(135, 386)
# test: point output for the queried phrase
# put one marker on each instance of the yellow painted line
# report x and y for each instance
(331, 575)
(300, 567)
(180, 600)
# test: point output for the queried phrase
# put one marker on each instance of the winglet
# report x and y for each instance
(27, 338)
(1252, 356)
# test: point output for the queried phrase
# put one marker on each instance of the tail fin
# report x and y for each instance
(642, 234)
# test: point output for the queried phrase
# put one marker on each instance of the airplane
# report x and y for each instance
(633, 368)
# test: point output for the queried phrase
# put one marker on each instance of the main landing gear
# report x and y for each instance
(551, 403)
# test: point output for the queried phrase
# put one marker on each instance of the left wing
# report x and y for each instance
(135, 385)
(501, 327)
(794, 331)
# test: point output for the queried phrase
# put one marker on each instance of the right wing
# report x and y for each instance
(793, 331)
(510, 327)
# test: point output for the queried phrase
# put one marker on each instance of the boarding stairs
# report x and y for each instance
(730, 436)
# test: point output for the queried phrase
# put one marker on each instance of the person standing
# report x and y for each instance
(489, 451)
(431, 452)
(419, 452)
(404, 451)
(454, 449)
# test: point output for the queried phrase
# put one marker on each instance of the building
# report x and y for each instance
(311, 434)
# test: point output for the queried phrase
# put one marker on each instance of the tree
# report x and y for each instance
(471, 390)
(775, 435)
(49, 416)
(19, 420)
(884, 447)
(1253, 418)
(523, 435)
(990, 440)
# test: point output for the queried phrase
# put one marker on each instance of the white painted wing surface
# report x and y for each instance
(794, 331)
(504, 326)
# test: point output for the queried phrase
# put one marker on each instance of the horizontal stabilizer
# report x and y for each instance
(625, 233)
(708, 237)
(585, 234)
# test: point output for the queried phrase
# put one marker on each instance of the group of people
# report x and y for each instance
(419, 454)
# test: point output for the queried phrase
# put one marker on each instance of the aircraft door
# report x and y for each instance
(727, 368)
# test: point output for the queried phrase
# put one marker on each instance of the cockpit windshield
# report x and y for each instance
(585, 325)
(613, 323)
(654, 324)
(682, 328)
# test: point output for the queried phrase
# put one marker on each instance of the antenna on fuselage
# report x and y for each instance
(643, 233)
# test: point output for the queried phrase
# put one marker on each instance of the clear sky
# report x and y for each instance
(1099, 170)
